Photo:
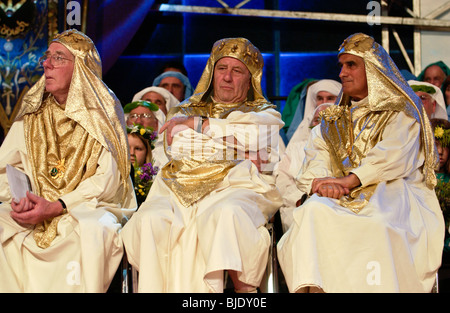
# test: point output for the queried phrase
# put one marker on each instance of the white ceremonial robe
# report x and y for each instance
(285, 174)
(87, 249)
(394, 244)
(187, 249)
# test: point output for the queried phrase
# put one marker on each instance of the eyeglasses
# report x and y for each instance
(134, 116)
(55, 60)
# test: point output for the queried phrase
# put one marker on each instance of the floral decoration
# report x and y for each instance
(144, 175)
(143, 180)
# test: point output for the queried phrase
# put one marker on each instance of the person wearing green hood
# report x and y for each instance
(435, 73)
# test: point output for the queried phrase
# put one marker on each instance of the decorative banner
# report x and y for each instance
(26, 27)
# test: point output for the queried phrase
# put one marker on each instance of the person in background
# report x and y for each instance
(441, 130)
(160, 96)
(431, 97)
(165, 101)
(141, 140)
(446, 93)
(322, 91)
(177, 83)
(435, 73)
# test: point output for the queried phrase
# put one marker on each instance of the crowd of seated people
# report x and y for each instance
(184, 180)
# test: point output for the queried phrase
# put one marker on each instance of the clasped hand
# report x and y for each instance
(33, 209)
(333, 187)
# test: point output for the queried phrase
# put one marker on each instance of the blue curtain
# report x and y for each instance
(111, 24)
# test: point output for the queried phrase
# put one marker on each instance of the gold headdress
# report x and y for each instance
(238, 48)
(383, 74)
(89, 102)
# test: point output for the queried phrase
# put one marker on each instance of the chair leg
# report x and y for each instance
(134, 279)
(125, 274)
(436, 285)
(269, 282)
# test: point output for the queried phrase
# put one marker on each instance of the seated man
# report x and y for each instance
(72, 144)
(207, 207)
(372, 222)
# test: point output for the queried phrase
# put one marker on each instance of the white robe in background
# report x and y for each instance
(87, 249)
(186, 249)
(394, 244)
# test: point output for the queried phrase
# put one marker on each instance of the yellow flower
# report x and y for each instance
(142, 131)
(139, 172)
(438, 132)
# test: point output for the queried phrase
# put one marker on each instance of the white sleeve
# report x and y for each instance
(396, 155)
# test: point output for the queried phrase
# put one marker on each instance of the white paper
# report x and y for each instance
(19, 183)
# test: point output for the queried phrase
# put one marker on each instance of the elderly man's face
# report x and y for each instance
(58, 77)
(142, 116)
(434, 75)
(174, 85)
(231, 80)
(157, 99)
(428, 102)
(353, 76)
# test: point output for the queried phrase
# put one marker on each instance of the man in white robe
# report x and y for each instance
(372, 222)
(207, 209)
(70, 139)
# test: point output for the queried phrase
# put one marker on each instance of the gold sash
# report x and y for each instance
(350, 133)
(62, 154)
(190, 179)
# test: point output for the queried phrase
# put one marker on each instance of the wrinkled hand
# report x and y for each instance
(180, 123)
(33, 209)
(258, 161)
(333, 187)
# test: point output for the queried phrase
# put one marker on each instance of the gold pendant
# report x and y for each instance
(58, 170)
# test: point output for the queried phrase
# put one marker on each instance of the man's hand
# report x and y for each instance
(180, 123)
(33, 209)
(335, 187)
(258, 161)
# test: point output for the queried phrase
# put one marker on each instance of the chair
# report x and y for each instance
(129, 276)
(269, 282)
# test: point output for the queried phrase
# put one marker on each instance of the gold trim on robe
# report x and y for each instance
(190, 179)
(50, 138)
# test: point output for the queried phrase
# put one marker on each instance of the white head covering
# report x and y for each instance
(170, 99)
(328, 85)
(303, 131)
(441, 110)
